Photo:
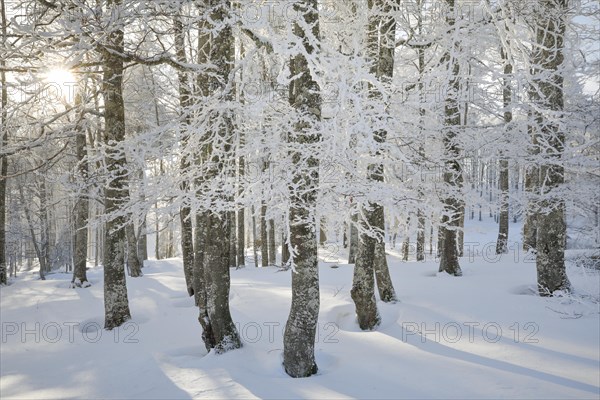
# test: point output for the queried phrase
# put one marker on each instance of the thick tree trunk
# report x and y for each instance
(216, 275)
(116, 304)
(363, 284)
(301, 326)
(371, 255)
(216, 43)
(199, 282)
(547, 93)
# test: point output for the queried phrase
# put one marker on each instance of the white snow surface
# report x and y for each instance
(483, 335)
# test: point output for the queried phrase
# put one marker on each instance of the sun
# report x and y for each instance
(60, 83)
(60, 76)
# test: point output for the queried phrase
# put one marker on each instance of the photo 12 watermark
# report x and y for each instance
(454, 332)
(54, 332)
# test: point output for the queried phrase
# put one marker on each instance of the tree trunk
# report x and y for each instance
(363, 284)
(232, 229)
(272, 247)
(382, 275)
(81, 212)
(264, 245)
(547, 93)
(216, 274)
(285, 250)
(133, 261)
(199, 282)
(116, 304)
(502, 242)
(452, 176)
(406, 241)
(301, 327)
(185, 102)
(353, 240)
(241, 223)
(219, 329)
(371, 250)
(3, 157)
(420, 235)
(254, 239)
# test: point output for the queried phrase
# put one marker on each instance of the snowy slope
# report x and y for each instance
(484, 335)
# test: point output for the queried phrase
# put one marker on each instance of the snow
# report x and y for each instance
(483, 335)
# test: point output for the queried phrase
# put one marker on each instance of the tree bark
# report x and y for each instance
(116, 303)
(264, 245)
(452, 176)
(133, 261)
(272, 247)
(547, 94)
(219, 329)
(502, 242)
(300, 329)
(81, 211)
(3, 157)
(241, 223)
(371, 249)
(353, 240)
(185, 102)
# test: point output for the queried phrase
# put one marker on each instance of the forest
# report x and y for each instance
(206, 198)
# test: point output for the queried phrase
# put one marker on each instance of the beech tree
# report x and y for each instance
(549, 141)
(304, 96)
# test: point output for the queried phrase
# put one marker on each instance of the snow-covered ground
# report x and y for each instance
(484, 335)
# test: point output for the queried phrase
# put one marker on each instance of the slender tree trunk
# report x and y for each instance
(382, 275)
(406, 241)
(34, 241)
(285, 251)
(232, 229)
(452, 176)
(254, 239)
(264, 245)
(353, 240)
(301, 327)
(133, 261)
(81, 211)
(185, 102)
(547, 93)
(3, 158)
(116, 304)
(272, 247)
(420, 235)
(241, 223)
(502, 242)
